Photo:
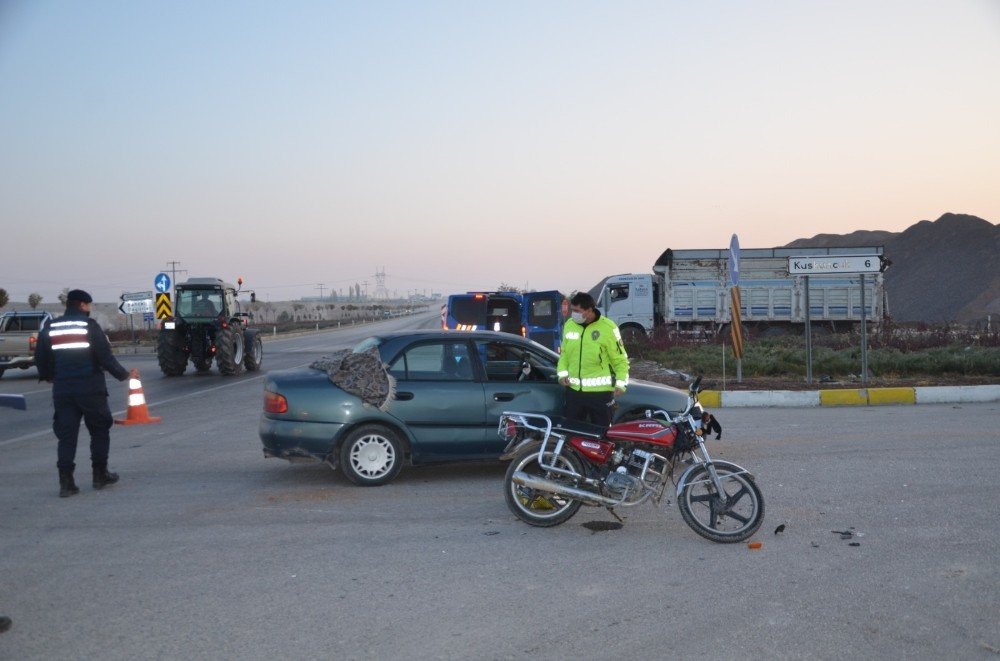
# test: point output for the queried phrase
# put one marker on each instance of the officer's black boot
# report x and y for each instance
(102, 477)
(67, 487)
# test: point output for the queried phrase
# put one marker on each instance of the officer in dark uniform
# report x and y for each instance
(73, 352)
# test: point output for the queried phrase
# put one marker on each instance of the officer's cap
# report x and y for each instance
(79, 295)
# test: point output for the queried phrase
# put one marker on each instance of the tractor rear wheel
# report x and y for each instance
(170, 353)
(229, 351)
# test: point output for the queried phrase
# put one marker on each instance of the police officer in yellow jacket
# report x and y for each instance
(593, 365)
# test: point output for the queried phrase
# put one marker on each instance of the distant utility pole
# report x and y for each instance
(320, 287)
(174, 271)
(380, 289)
(365, 283)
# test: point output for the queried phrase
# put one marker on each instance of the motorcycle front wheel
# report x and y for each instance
(726, 518)
(540, 508)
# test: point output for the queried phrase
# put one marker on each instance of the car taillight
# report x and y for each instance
(275, 403)
(31, 342)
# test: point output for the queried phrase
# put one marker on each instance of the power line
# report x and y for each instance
(173, 272)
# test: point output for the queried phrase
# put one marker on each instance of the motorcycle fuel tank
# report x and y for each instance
(596, 451)
(644, 431)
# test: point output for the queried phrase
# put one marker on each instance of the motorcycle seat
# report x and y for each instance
(577, 428)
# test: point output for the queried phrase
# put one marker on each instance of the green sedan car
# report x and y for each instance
(450, 389)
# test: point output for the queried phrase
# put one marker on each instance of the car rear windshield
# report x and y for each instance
(28, 322)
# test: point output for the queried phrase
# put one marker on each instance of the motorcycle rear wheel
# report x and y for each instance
(540, 508)
(733, 519)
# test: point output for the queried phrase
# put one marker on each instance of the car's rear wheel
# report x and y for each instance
(371, 455)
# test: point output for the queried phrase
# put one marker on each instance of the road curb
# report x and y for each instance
(850, 396)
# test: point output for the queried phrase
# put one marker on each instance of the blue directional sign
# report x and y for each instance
(162, 283)
(734, 261)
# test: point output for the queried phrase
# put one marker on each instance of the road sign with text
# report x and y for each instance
(136, 302)
(829, 264)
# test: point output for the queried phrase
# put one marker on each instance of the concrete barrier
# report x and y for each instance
(957, 394)
(769, 398)
(851, 396)
(710, 398)
(877, 396)
(847, 397)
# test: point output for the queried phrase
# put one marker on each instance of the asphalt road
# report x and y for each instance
(206, 549)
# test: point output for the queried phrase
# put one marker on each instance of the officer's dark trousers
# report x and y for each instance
(589, 407)
(96, 414)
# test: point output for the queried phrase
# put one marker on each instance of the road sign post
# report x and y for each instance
(837, 264)
(809, 337)
(735, 316)
(864, 336)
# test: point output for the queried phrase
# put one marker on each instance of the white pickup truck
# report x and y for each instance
(18, 335)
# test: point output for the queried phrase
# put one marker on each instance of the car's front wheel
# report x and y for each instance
(371, 455)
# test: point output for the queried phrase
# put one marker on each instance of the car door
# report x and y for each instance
(439, 400)
(509, 386)
(543, 318)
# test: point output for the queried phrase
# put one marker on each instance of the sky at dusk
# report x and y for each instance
(460, 145)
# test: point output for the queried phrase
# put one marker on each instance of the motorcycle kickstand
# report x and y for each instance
(615, 514)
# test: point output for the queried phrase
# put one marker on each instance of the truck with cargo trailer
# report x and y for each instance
(688, 293)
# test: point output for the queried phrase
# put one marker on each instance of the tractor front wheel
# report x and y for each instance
(254, 351)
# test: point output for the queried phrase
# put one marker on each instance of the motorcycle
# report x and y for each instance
(558, 465)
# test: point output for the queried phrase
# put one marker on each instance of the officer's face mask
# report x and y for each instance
(577, 317)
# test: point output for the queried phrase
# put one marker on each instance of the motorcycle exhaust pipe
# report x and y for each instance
(542, 484)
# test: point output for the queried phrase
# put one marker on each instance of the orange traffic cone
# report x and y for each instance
(137, 413)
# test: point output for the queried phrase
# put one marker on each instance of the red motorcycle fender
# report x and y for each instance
(734, 468)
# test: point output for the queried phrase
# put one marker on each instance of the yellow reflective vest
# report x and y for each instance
(593, 357)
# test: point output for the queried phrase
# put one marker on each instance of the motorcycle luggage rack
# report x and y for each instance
(542, 423)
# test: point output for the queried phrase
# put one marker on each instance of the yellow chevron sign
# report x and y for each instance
(163, 307)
